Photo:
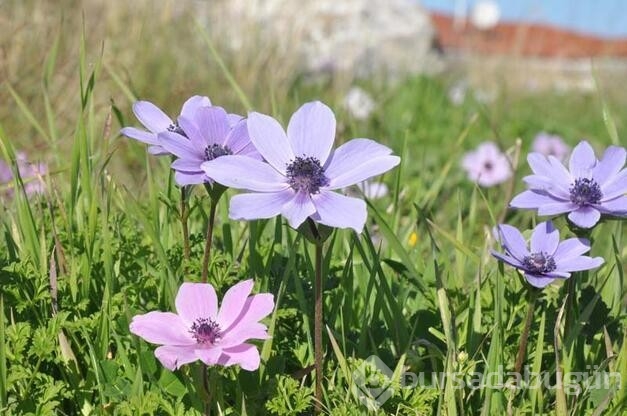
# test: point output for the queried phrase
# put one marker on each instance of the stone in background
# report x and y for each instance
(359, 37)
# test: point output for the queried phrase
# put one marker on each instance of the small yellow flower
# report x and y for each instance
(413, 239)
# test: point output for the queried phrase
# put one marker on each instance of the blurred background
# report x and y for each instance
(425, 66)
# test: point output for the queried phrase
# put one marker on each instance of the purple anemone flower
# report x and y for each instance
(212, 134)
(487, 165)
(201, 331)
(156, 121)
(31, 174)
(302, 172)
(6, 175)
(587, 189)
(550, 145)
(547, 258)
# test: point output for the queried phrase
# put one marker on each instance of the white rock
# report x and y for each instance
(363, 37)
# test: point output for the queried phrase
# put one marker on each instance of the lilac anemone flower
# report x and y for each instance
(156, 121)
(587, 189)
(6, 175)
(31, 174)
(487, 165)
(547, 258)
(212, 134)
(201, 331)
(302, 172)
(550, 145)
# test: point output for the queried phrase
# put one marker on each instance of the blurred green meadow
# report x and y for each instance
(418, 288)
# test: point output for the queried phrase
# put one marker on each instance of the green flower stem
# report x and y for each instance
(318, 320)
(208, 239)
(206, 395)
(184, 222)
(524, 337)
(315, 237)
(215, 192)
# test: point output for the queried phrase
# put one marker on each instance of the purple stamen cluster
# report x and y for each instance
(216, 150)
(205, 331)
(175, 128)
(585, 191)
(306, 174)
(539, 263)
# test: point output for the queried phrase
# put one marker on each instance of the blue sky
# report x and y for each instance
(607, 18)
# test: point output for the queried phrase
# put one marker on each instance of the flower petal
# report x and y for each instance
(311, 131)
(179, 146)
(213, 124)
(242, 333)
(612, 162)
(579, 263)
(151, 116)
(297, 209)
(192, 104)
(559, 172)
(616, 186)
(339, 211)
(243, 172)
(571, 248)
(234, 119)
(174, 356)
(616, 206)
(209, 356)
(244, 355)
(255, 309)
(508, 259)
(582, 160)
(233, 302)
(186, 165)
(585, 217)
(238, 137)
(185, 178)
(538, 281)
(545, 238)
(556, 208)
(270, 140)
(548, 185)
(161, 328)
(358, 160)
(531, 199)
(258, 205)
(197, 138)
(158, 151)
(140, 135)
(196, 300)
(513, 241)
(539, 164)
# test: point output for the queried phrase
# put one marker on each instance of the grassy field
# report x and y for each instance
(418, 288)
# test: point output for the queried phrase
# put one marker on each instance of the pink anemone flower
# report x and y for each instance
(201, 331)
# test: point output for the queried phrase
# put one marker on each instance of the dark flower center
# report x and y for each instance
(205, 331)
(216, 150)
(175, 128)
(306, 174)
(488, 166)
(539, 263)
(585, 191)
